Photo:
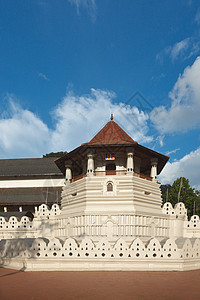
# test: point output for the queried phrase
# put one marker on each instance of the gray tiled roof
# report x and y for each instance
(29, 166)
(24, 196)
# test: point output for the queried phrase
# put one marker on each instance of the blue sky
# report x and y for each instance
(66, 65)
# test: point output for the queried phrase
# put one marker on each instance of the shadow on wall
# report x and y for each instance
(50, 250)
(19, 245)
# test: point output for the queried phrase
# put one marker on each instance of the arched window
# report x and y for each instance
(109, 187)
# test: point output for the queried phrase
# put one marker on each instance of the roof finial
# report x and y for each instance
(111, 117)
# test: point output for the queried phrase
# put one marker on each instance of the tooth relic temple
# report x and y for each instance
(111, 215)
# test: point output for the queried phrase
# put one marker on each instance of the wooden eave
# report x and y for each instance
(140, 151)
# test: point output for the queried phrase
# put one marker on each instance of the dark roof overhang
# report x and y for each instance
(83, 150)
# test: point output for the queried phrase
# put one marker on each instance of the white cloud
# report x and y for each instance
(184, 112)
(76, 120)
(184, 49)
(22, 133)
(166, 51)
(180, 48)
(172, 151)
(160, 140)
(188, 166)
(194, 50)
(43, 76)
(158, 77)
(89, 5)
(79, 118)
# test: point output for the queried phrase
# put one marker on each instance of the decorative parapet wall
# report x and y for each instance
(192, 227)
(194, 222)
(178, 210)
(56, 254)
(23, 246)
(179, 222)
(44, 211)
(14, 227)
(43, 223)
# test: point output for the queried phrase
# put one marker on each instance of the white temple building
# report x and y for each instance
(111, 215)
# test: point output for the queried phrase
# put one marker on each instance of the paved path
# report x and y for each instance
(99, 285)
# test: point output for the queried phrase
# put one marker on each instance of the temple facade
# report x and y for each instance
(111, 215)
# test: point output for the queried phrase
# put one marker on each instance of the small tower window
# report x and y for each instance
(109, 187)
(110, 167)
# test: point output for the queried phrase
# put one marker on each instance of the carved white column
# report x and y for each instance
(68, 174)
(90, 165)
(130, 163)
(154, 163)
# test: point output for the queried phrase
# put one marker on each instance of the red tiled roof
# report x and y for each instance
(111, 134)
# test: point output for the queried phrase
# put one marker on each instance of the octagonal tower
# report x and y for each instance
(111, 187)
